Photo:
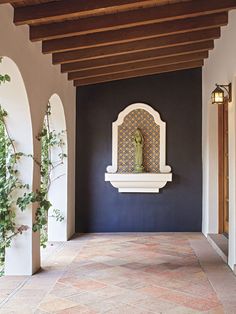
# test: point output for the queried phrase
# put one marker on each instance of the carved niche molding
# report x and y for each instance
(157, 173)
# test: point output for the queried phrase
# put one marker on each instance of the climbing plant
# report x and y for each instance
(50, 141)
(10, 184)
(14, 194)
(4, 77)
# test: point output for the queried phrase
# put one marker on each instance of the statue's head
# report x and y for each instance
(138, 132)
(138, 136)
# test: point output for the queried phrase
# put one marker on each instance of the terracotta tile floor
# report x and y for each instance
(172, 273)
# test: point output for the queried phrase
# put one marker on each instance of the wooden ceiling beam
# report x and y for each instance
(135, 33)
(135, 46)
(137, 65)
(10, 1)
(137, 73)
(115, 21)
(137, 56)
(68, 9)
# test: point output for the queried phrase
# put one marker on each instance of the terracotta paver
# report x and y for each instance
(122, 273)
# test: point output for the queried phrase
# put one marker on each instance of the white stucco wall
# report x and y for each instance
(219, 68)
(41, 80)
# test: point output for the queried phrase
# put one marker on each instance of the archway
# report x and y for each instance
(57, 194)
(14, 99)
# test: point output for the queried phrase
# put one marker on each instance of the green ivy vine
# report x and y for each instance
(10, 184)
(14, 194)
(50, 140)
(4, 77)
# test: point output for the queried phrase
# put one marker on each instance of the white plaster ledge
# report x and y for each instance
(138, 182)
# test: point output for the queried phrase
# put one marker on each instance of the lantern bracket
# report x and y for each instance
(228, 89)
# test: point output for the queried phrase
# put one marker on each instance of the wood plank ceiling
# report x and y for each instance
(104, 40)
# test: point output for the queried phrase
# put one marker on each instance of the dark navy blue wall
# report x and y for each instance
(99, 206)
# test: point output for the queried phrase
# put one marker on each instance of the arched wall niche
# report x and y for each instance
(121, 173)
(14, 99)
(57, 231)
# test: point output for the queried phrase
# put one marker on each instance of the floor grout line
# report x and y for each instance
(14, 292)
(63, 273)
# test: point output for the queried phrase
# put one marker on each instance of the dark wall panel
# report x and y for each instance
(178, 207)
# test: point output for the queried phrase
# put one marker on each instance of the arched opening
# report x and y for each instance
(57, 155)
(14, 99)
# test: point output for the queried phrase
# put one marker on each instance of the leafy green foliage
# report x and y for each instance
(10, 187)
(50, 140)
(14, 194)
(10, 184)
(4, 77)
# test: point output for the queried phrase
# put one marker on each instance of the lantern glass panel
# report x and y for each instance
(219, 97)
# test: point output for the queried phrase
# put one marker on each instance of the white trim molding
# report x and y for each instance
(141, 182)
(138, 182)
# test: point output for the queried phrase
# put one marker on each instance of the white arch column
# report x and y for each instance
(41, 79)
(23, 257)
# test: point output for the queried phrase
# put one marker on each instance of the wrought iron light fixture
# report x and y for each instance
(218, 95)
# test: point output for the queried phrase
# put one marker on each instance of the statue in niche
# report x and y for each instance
(138, 142)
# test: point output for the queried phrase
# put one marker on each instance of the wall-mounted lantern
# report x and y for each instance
(218, 95)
